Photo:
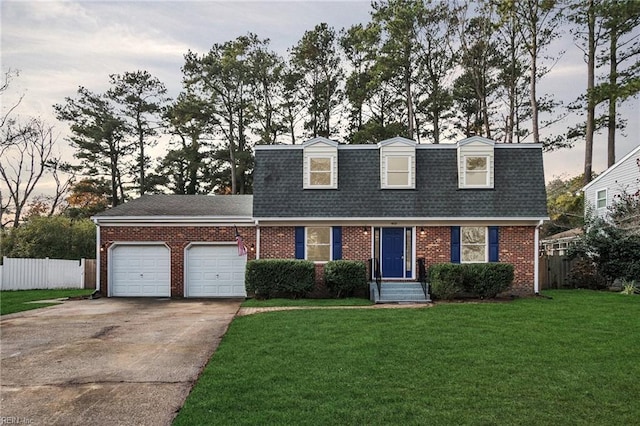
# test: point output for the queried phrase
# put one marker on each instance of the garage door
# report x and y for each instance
(140, 270)
(215, 271)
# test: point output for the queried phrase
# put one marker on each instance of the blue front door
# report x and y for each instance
(393, 252)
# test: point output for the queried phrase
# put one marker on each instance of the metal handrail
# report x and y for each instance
(375, 268)
(422, 275)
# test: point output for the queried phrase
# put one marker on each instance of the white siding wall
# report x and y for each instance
(30, 274)
(622, 177)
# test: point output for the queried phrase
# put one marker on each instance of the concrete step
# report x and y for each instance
(397, 292)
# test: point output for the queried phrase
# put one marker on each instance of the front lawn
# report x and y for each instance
(16, 300)
(570, 360)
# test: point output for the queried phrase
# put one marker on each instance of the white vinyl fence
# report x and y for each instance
(30, 274)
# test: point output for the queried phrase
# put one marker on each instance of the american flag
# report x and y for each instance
(242, 249)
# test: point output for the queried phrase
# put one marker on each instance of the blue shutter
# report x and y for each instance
(337, 242)
(455, 244)
(493, 244)
(299, 242)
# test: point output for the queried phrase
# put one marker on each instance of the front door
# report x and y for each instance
(393, 252)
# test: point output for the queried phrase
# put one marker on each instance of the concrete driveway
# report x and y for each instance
(106, 361)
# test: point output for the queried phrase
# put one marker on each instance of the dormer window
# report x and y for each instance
(476, 171)
(320, 171)
(475, 163)
(397, 163)
(398, 171)
(320, 164)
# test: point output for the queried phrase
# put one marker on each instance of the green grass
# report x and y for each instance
(255, 303)
(16, 300)
(571, 360)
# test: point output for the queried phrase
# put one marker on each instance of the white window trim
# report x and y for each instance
(331, 170)
(487, 182)
(409, 159)
(486, 245)
(606, 196)
(306, 247)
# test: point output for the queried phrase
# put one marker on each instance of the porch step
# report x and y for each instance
(394, 292)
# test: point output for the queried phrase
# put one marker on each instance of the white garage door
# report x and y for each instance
(140, 270)
(215, 271)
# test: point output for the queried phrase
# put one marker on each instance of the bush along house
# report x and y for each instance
(399, 206)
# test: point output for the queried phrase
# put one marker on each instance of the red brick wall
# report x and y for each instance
(517, 247)
(278, 242)
(176, 238)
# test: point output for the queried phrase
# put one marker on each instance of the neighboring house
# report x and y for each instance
(558, 244)
(396, 202)
(601, 193)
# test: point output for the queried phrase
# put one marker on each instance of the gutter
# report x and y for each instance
(536, 259)
(98, 247)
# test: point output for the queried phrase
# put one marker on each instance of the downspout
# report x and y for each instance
(536, 258)
(98, 260)
(257, 239)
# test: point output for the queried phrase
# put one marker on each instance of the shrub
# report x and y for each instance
(445, 280)
(487, 279)
(267, 278)
(584, 274)
(450, 280)
(344, 277)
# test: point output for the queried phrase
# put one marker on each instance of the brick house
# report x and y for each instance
(397, 202)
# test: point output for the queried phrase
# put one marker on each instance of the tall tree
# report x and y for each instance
(584, 15)
(480, 61)
(140, 98)
(621, 21)
(316, 58)
(98, 135)
(186, 169)
(223, 79)
(27, 154)
(400, 23)
(538, 22)
(513, 81)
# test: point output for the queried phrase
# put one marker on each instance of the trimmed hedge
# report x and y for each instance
(445, 280)
(267, 278)
(483, 280)
(344, 277)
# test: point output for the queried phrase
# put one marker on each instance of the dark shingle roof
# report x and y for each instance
(519, 189)
(184, 205)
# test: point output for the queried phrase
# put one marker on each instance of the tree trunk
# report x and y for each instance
(591, 104)
(613, 97)
(532, 85)
(407, 89)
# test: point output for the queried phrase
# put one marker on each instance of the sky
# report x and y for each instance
(58, 46)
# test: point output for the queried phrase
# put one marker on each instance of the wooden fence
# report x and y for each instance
(554, 271)
(29, 274)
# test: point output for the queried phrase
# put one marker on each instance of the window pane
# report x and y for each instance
(320, 178)
(398, 178)
(473, 253)
(476, 163)
(602, 199)
(473, 234)
(476, 178)
(319, 243)
(398, 164)
(318, 253)
(320, 164)
(318, 235)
